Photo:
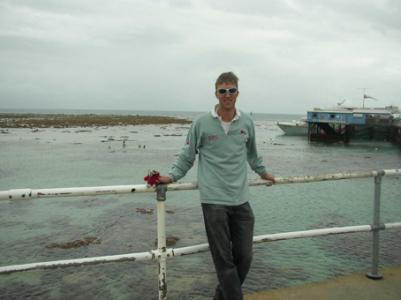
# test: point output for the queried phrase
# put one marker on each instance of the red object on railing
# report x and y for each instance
(153, 178)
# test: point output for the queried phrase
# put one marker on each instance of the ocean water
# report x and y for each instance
(50, 158)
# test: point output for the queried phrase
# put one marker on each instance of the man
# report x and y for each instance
(225, 141)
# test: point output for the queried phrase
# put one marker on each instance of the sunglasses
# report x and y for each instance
(230, 91)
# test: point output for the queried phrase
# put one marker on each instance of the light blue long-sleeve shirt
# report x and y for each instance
(223, 158)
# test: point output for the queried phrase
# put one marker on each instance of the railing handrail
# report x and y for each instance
(27, 193)
(162, 252)
(173, 252)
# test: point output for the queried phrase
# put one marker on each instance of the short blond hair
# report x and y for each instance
(227, 77)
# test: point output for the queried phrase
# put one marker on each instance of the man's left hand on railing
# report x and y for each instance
(269, 177)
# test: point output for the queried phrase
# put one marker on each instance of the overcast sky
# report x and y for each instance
(290, 55)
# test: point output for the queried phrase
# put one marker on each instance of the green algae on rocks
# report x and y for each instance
(15, 120)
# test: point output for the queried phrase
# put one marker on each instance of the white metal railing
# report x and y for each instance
(162, 253)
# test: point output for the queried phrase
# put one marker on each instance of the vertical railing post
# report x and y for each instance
(161, 239)
(376, 227)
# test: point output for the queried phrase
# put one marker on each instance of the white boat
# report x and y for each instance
(294, 128)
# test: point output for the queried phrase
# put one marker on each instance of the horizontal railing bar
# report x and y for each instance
(171, 252)
(392, 172)
(150, 255)
(187, 250)
(311, 233)
(18, 194)
(392, 225)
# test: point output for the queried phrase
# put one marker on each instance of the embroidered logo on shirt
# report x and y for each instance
(244, 135)
(212, 138)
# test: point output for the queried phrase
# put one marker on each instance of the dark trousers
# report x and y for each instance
(229, 232)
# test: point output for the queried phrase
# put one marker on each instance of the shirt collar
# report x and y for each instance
(215, 115)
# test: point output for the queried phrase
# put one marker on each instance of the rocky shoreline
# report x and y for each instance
(15, 120)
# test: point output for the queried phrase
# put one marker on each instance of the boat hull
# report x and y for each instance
(294, 128)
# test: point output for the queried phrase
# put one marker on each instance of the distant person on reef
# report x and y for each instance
(224, 140)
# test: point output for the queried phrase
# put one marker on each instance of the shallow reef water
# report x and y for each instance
(118, 224)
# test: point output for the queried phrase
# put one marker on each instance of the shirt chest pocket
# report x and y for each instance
(240, 137)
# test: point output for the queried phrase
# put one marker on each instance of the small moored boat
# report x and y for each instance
(294, 128)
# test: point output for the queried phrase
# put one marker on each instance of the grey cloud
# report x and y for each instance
(58, 7)
(290, 55)
(151, 36)
(256, 8)
(380, 15)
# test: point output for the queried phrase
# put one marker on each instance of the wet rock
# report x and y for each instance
(170, 240)
(147, 211)
(75, 244)
(182, 127)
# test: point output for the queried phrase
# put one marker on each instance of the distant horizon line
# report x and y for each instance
(128, 110)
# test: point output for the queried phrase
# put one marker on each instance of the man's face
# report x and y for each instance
(227, 94)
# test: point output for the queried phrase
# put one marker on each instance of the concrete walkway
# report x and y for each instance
(350, 287)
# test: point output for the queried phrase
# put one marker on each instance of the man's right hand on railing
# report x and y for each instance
(165, 179)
